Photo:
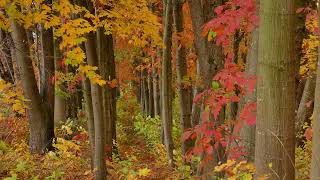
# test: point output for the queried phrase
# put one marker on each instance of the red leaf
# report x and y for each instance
(218, 10)
(197, 150)
(209, 150)
(186, 135)
(308, 133)
(300, 10)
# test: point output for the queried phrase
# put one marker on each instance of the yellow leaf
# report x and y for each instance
(144, 172)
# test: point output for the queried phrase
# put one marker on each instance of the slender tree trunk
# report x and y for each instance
(166, 80)
(145, 93)
(210, 56)
(151, 100)
(276, 90)
(156, 90)
(142, 95)
(305, 109)
(107, 64)
(99, 120)
(196, 10)
(59, 101)
(6, 64)
(38, 123)
(185, 91)
(46, 75)
(247, 133)
(90, 117)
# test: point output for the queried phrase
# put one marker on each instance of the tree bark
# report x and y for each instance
(247, 133)
(315, 160)
(305, 109)
(166, 80)
(146, 93)
(99, 120)
(185, 91)
(107, 65)
(150, 100)
(37, 118)
(276, 90)
(89, 116)
(210, 56)
(46, 74)
(156, 90)
(59, 101)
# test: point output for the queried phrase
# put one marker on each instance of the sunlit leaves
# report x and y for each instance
(11, 99)
(89, 72)
(310, 44)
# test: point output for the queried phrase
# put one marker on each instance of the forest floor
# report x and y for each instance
(137, 158)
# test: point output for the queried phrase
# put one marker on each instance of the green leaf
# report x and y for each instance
(215, 85)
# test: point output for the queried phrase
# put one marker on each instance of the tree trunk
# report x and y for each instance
(146, 93)
(59, 101)
(185, 91)
(315, 160)
(151, 100)
(247, 133)
(99, 120)
(38, 123)
(166, 80)
(305, 109)
(46, 75)
(107, 65)
(89, 116)
(6, 60)
(156, 90)
(210, 57)
(276, 90)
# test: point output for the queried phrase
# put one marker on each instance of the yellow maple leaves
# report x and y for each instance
(310, 47)
(11, 99)
(89, 72)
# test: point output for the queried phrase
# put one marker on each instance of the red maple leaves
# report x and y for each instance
(233, 83)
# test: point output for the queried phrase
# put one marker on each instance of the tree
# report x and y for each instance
(275, 137)
(90, 117)
(37, 115)
(107, 66)
(59, 100)
(315, 161)
(247, 132)
(166, 81)
(185, 91)
(210, 57)
(46, 74)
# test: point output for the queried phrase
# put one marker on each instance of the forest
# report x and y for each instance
(159, 89)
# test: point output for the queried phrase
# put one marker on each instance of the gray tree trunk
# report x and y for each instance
(305, 108)
(59, 102)
(166, 82)
(90, 117)
(156, 90)
(247, 133)
(275, 135)
(315, 160)
(46, 74)
(150, 100)
(99, 118)
(37, 118)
